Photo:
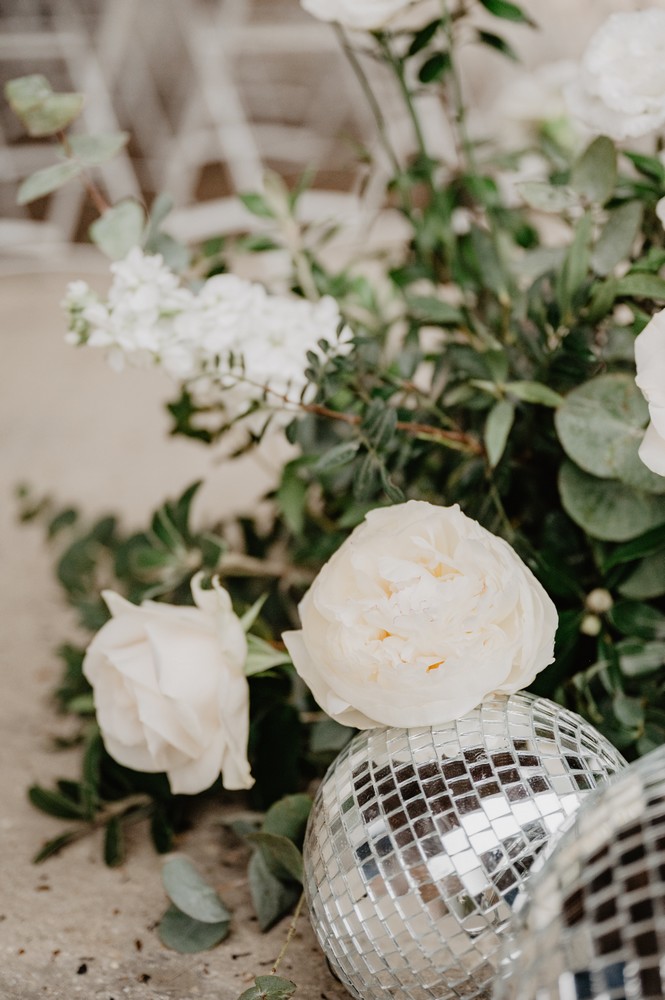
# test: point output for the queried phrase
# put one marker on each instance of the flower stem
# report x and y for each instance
(93, 192)
(289, 936)
(370, 96)
(397, 66)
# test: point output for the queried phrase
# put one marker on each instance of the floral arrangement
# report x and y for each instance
(508, 361)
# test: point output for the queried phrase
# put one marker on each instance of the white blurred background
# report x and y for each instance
(215, 91)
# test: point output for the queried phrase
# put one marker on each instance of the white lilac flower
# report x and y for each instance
(232, 335)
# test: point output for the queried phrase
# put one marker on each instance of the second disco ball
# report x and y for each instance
(420, 839)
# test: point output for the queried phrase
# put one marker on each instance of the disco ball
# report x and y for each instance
(420, 839)
(593, 924)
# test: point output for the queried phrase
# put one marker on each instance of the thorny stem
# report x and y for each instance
(289, 936)
(93, 192)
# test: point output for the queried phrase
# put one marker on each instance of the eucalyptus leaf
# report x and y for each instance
(45, 181)
(272, 898)
(606, 509)
(119, 229)
(638, 657)
(575, 267)
(329, 736)
(548, 197)
(497, 429)
(40, 109)
(534, 392)
(288, 817)
(647, 580)
(191, 893)
(337, 456)
(281, 854)
(594, 175)
(617, 237)
(91, 150)
(508, 11)
(269, 988)
(633, 618)
(188, 936)
(601, 425)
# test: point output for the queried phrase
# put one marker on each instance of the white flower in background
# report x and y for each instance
(620, 88)
(534, 98)
(360, 15)
(232, 334)
(660, 211)
(170, 689)
(417, 617)
(650, 363)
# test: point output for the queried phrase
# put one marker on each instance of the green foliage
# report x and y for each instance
(269, 988)
(42, 111)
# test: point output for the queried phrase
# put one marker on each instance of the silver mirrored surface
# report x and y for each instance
(420, 839)
(593, 922)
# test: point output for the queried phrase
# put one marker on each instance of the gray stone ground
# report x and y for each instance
(70, 425)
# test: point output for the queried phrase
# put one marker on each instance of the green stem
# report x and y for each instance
(370, 96)
(397, 65)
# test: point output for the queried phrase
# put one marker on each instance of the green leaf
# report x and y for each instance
(423, 37)
(271, 897)
(119, 230)
(633, 618)
(629, 711)
(601, 425)
(54, 846)
(534, 392)
(161, 207)
(328, 736)
(45, 181)
(42, 111)
(498, 44)
(429, 310)
(270, 988)
(54, 803)
(594, 175)
(497, 428)
(288, 817)
(647, 580)
(507, 11)
(191, 893)
(262, 656)
(337, 456)
(183, 934)
(548, 197)
(434, 68)
(575, 267)
(114, 843)
(606, 509)
(641, 285)
(617, 237)
(250, 616)
(91, 150)
(257, 205)
(291, 497)
(281, 854)
(647, 544)
(638, 657)
(650, 166)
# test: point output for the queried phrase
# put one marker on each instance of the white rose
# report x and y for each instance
(417, 617)
(620, 89)
(359, 15)
(170, 690)
(650, 363)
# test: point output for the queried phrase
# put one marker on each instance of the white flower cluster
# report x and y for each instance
(231, 335)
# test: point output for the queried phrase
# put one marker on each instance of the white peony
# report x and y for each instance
(417, 617)
(232, 337)
(170, 689)
(620, 88)
(360, 15)
(650, 363)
